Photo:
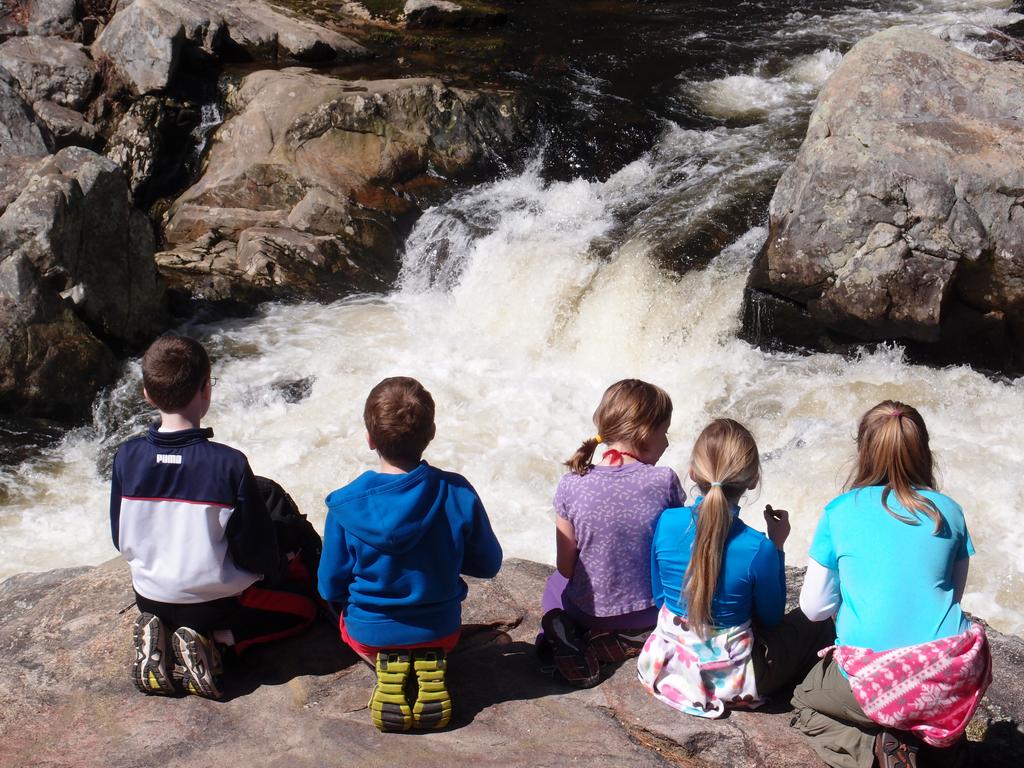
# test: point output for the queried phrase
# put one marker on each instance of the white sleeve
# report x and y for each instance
(960, 568)
(820, 596)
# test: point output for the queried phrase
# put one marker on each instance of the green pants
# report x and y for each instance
(829, 715)
(784, 654)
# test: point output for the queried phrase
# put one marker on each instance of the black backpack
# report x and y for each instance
(296, 536)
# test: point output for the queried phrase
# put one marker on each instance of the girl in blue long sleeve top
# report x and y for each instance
(722, 639)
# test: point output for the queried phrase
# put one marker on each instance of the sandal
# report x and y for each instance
(895, 751)
(575, 661)
(611, 647)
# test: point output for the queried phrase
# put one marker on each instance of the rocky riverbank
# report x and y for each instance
(66, 698)
(108, 173)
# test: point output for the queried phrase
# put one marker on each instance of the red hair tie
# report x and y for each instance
(615, 456)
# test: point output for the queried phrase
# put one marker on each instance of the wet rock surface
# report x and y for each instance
(309, 189)
(902, 217)
(67, 641)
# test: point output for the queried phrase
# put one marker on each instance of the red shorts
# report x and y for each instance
(446, 644)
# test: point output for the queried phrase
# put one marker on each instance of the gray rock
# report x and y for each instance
(137, 140)
(67, 648)
(67, 127)
(19, 134)
(146, 39)
(123, 294)
(335, 163)
(49, 68)
(54, 18)
(902, 216)
(76, 267)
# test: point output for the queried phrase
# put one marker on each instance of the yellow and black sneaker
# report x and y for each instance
(149, 670)
(388, 705)
(199, 661)
(433, 707)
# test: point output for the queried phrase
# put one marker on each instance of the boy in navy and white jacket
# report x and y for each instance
(187, 515)
(395, 544)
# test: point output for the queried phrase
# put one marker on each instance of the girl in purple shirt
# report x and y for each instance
(598, 605)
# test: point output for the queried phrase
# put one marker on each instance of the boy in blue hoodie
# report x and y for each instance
(395, 544)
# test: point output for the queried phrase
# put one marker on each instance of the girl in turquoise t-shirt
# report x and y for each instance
(889, 561)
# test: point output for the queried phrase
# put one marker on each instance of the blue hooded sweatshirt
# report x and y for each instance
(394, 546)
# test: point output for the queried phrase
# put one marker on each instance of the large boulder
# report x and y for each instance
(77, 280)
(146, 39)
(903, 215)
(308, 189)
(64, 680)
(49, 68)
(19, 133)
(54, 17)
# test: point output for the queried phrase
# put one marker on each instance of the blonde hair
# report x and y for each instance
(724, 464)
(629, 411)
(892, 451)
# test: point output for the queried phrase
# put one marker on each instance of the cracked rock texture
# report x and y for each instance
(147, 39)
(66, 698)
(903, 215)
(309, 188)
(77, 280)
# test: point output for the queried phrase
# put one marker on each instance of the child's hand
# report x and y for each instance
(777, 521)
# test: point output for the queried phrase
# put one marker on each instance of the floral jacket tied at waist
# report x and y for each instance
(696, 676)
(931, 688)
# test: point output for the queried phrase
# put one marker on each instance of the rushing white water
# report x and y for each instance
(519, 302)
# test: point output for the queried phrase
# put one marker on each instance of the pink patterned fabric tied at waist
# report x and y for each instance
(931, 689)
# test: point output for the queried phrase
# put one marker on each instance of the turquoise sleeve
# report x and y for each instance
(822, 548)
(966, 545)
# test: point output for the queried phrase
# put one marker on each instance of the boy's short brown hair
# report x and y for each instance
(399, 416)
(173, 370)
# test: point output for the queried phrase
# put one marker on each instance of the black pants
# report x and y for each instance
(258, 615)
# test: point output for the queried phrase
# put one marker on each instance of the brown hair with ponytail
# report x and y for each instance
(724, 465)
(892, 451)
(629, 412)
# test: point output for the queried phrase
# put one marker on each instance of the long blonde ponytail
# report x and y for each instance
(724, 464)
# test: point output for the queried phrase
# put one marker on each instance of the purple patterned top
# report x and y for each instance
(613, 511)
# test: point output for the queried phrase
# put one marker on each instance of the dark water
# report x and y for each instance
(606, 75)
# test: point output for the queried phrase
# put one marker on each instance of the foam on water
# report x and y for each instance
(764, 94)
(519, 302)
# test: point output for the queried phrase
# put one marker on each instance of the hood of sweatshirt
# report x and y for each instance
(390, 512)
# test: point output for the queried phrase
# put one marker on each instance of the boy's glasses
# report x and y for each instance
(213, 381)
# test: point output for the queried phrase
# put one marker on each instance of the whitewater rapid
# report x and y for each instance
(519, 301)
